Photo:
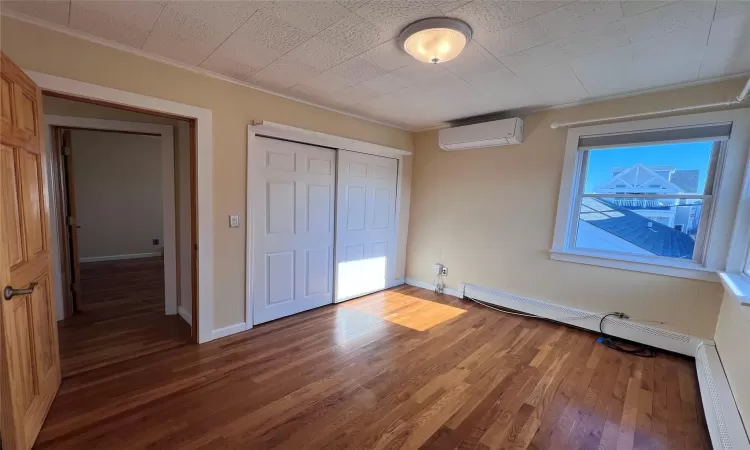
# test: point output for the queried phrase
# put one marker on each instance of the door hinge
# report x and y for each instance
(66, 150)
(72, 287)
(71, 221)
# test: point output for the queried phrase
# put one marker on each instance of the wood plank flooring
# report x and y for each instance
(400, 369)
(121, 316)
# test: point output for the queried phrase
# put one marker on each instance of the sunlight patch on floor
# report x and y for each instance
(405, 310)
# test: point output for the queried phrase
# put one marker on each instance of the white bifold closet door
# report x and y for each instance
(293, 227)
(365, 224)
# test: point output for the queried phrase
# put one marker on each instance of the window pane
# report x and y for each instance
(651, 169)
(643, 226)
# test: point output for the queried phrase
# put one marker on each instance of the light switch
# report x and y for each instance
(234, 221)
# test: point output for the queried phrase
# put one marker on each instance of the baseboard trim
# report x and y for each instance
(625, 329)
(118, 257)
(185, 315)
(431, 287)
(228, 331)
(722, 417)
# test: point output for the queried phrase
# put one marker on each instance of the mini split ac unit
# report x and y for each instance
(480, 135)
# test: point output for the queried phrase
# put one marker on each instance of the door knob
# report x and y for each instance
(9, 292)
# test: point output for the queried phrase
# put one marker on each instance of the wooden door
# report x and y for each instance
(70, 218)
(365, 224)
(29, 355)
(292, 226)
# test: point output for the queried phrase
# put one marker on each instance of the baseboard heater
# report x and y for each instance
(624, 329)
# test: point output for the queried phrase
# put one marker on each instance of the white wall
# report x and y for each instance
(117, 179)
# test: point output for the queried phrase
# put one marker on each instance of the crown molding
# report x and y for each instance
(198, 70)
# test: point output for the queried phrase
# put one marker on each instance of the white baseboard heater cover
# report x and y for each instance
(722, 417)
(624, 329)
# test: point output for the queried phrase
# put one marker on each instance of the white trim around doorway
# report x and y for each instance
(204, 169)
(166, 137)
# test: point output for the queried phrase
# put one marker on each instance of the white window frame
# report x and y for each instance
(736, 278)
(730, 173)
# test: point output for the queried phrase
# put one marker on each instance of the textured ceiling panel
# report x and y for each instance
(239, 57)
(318, 54)
(392, 16)
(122, 21)
(515, 38)
(189, 31)
(327, 83)
(579, 16)
(344, 54)
(269, 31)
(574, 46)
(557, 82)
(388, 56)
(357, 70)
(674, 17)
(310, 16)
(53, 11)
(474, 59)
(355, 94)
(385, 84)
(283, 73)
(353, 34)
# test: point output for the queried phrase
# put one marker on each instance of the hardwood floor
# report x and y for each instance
(399, 369)
(121, 316)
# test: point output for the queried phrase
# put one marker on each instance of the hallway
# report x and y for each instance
(121, 316)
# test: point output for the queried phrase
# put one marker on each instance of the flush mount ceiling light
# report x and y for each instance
(435, 40)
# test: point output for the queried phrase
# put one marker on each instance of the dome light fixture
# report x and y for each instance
(435, 40)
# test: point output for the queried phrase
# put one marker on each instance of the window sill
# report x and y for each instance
(738, 284)
(680, 269)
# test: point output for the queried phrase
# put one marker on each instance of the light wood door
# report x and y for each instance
(29, 355)
(293, 224)
(365, 224)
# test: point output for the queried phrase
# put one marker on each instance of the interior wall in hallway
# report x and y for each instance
(117, 179)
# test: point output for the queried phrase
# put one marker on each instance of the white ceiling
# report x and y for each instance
(343, 54)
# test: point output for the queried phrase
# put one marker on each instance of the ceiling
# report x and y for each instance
(343, 54)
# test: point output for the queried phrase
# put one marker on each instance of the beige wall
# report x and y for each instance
(488, 215)
(732, 339)
(117, 179)
(233, 107)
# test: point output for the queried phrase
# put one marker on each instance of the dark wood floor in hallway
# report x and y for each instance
(400, 369)
(121, 316)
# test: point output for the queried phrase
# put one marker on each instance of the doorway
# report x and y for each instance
(122, 206)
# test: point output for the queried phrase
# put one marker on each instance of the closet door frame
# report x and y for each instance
(285, 132)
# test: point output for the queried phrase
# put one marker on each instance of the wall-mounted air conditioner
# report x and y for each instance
(480, 135)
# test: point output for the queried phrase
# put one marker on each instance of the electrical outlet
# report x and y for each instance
(445, 270)
(154, 242)
(234, 221)
(438, 268)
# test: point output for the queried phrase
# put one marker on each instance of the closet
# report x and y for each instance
(322, 222)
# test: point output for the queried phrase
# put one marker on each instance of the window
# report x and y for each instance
(642, 219)
(653, 195)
